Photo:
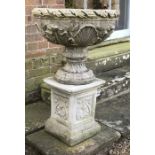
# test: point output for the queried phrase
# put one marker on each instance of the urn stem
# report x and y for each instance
(75, 71)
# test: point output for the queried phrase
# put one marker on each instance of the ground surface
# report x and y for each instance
(114, 113)
(119, 119)
(122, 147)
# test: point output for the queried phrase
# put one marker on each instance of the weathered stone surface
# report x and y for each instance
(121, 147)
(30, 150)
(36, 115)
(32, 96)
(34, 83)
(49, 145)
(115, 113)
(72, 111)
(118, 82)
(108, 63)
(107, 56)
(106, 51)
(76, 34)
(109, 43)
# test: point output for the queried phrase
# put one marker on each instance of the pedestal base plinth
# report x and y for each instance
(69, 136)
(72, 111)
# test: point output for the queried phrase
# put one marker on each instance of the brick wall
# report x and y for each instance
(38, 52)
(35, 43)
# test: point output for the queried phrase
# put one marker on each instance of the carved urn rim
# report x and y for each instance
(74, 13)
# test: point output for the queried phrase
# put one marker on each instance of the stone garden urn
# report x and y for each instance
(74, 86)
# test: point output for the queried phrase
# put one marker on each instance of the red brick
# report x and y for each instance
(43, 44)
(32, 46)
(51, 2)
(45, 2)
(52, 45)
(28, 19)
(36, 53)
(31, 29)
(56, 6)
(33, 2)
(28, 9)
(36, 45)
(33, 37)
(60, 1)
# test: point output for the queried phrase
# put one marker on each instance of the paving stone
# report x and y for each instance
(36, 115)
(121, 147)
(49, 145)
(106, 51)
(101, 65)
(115, 113)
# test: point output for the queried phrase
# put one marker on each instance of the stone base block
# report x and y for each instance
(49, 145)
(72, 137)
(72, 111)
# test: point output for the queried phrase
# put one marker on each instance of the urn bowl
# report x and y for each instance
(75, 27)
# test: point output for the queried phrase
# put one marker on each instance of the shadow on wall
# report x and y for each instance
(100, 4)
(94, 4)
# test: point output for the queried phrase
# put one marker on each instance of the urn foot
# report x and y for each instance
(69, 136)
(70, 78)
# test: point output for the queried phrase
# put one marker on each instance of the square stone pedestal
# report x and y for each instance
(73, 111)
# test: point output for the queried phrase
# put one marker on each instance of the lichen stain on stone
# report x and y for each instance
(104, 62)
(108, 59)
(125, 57)
(96, 64)
(82, 146)
(128, 127)
(116, 91)
(114, 124)
(118, 79)
(124, 84)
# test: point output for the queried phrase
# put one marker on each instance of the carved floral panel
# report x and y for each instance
(84, 107)
(61, 106)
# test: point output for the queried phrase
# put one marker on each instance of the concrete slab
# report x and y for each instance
(49, 145)
(115, 113)
(36, 115)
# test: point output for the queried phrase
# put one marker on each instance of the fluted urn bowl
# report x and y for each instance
(75, 29)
